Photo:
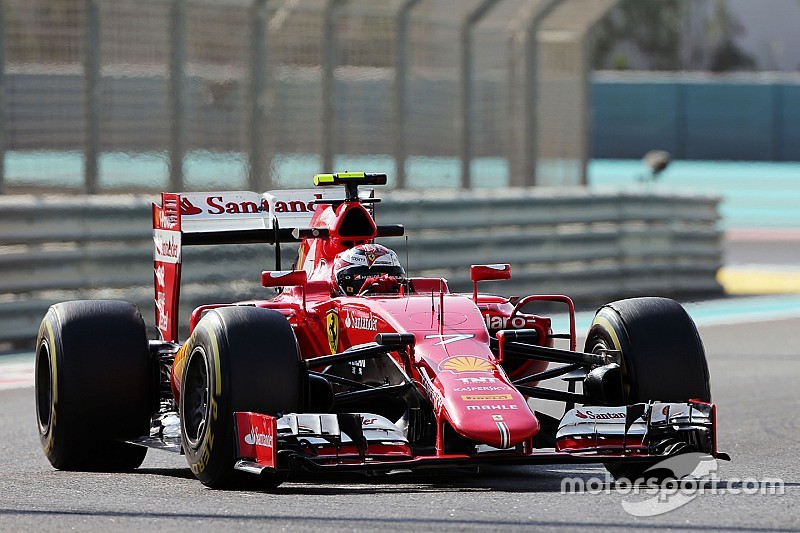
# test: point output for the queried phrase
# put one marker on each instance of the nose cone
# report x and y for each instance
(486, 408)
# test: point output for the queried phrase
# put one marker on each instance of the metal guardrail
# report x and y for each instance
(591, 246)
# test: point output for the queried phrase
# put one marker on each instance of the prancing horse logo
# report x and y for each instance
(332, 327)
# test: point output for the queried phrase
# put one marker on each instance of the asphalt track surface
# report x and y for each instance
(754, 371)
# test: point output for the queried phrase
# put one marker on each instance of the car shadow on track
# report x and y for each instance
(180, 473)
(505, 479)
(502, 478)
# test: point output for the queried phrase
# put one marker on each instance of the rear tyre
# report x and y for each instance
(238, 359)
(662, 356)
(92, 385)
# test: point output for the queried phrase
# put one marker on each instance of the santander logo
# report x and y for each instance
(167, 248)
(224, 205)
(188, 208)
(258, 439)
(241, 203)
(599, 416)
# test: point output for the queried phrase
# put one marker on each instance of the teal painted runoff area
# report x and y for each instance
(711, 312)
(754, 194)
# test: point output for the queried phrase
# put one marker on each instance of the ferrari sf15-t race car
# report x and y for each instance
(355, 366)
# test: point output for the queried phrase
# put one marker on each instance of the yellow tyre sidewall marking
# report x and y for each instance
(51, 347)
(215, 353)
(602, 321)
(606, 325)
(199, 465)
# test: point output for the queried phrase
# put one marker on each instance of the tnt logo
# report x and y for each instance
(477, 381)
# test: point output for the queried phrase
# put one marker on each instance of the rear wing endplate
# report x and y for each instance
(228, 217)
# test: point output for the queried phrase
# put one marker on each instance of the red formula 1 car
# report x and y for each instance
(354, 365)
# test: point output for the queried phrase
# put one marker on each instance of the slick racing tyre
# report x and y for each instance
(237, 359)
(662, 356)
(93, 385)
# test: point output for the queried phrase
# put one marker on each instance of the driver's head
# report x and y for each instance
(368, 268)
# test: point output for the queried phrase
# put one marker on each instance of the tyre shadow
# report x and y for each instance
(521, 479)
(506, 479)
(486, 479)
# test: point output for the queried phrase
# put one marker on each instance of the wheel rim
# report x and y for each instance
(44, 388)
(195, 398)
(599, 345)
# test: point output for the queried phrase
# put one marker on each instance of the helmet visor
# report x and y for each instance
(352, 279)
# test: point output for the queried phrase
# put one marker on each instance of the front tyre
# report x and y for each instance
(662, 356)
(92, 385)
(238, 359)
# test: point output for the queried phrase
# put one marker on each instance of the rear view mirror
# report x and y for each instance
(486, 273)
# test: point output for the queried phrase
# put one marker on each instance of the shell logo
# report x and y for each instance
(466, 363)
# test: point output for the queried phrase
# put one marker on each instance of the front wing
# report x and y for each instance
(322, 442)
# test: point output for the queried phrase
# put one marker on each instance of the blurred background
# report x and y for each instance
(676, 102)
(102, 96)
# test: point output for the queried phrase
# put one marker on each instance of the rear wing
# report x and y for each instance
(229, 217)
(238, 217)
(220, 216)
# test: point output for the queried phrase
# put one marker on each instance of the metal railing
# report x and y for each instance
(590, 246)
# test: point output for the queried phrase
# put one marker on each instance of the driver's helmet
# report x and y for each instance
(377, 264)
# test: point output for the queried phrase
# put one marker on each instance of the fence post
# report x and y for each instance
(531, 92)
(3, 133)
(259, 179)
(465, 115)
(515, 150)
(177, 63)
(401, 89)
(91, 68)
(585, 102)
(330, 54)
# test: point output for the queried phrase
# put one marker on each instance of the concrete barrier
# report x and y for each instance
(588, 245)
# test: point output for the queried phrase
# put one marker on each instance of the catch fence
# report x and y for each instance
(102, 95)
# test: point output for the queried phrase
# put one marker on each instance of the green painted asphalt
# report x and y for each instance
(754, 194)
